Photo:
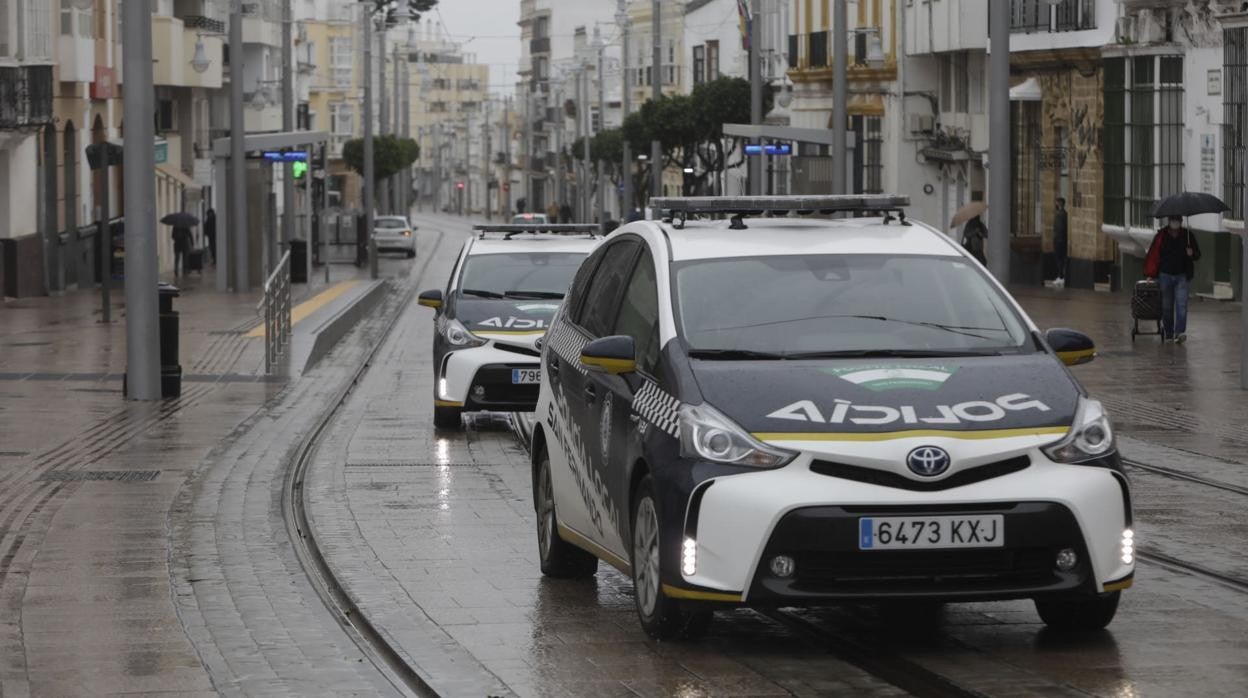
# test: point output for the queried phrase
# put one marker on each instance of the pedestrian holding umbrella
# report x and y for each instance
(1173, 255)
(182, 223)
(975, 234)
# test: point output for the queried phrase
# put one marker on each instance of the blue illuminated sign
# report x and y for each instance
(282, 156)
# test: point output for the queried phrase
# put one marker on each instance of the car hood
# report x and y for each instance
(973, 394)
(506, 317)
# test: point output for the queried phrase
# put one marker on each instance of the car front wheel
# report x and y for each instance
(559, 558)
(661, 616)
(1079, 614)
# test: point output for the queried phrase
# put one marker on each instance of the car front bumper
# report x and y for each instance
(739, 522)
(489, 369)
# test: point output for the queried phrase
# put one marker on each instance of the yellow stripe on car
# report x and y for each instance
(447, 403)
(911, 434)
(693, 595)
(583, 542)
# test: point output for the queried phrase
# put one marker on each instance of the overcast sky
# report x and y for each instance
(487, 28)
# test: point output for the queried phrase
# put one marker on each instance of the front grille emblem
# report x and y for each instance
(928, 461)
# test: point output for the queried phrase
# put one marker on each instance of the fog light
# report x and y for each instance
(479, 391)
(1067, 559)
(1128, 547)
(783, 566)
(689, 558)
(442, 388)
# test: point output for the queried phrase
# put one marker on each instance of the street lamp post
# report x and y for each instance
(237, 191)
(602, 123)
(367, 30)
(626, 198)
(142, 316)
(840, 96)
(999, 146)
(756, 92)
(656, 82)
(288, 125)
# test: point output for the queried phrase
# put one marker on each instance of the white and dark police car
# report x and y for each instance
(506, 285)
(780, 411)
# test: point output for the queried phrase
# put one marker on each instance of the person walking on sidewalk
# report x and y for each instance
(1060, 241)
(210, 234)
(552, 213)
(1172, 261)
(974, 236)
(181, 249)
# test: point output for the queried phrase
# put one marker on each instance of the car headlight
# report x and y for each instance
(458, 336)
(1090, 437)
(706, 434)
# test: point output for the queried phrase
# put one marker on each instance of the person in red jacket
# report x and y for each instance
(1172, 261)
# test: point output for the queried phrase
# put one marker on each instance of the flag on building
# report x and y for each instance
(744, 20)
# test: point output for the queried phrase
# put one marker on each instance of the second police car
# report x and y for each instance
(772, 411)
(503, 290)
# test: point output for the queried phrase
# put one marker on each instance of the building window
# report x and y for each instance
(342, 119)
(1235, 119)
(818, 54)
(1028, 16)
(1143, 141)
(541, 27)
(341, 60)
(872, 155)
(712, 60)
(166, 116)
(699, 64)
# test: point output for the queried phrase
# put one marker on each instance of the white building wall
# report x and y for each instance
(1203, 116)
(18, 186)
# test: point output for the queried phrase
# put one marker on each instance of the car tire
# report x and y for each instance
(559, 558)
(662, 617)
(1079, 614)
(448, 418)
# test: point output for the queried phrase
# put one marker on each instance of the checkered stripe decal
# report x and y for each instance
(567, 343)
(658, 407)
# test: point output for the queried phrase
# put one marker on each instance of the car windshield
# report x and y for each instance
(843, 305)
(391, 223)
(520, 274)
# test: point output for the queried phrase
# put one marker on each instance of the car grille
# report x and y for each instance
(923, 570)
(884, 478)
(523, 351)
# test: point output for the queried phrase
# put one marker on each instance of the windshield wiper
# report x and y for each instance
(553, 295)
(888, 353)
(955, 329)
(735, 355)
(480, 293)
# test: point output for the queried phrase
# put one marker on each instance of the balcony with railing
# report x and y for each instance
(25, 97)
(1035, 16)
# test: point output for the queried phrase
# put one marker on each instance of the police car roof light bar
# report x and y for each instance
(510, 229)
(679, 209)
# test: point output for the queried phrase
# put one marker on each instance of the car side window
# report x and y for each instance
(580, 284)
(597, 315)
(639, 312)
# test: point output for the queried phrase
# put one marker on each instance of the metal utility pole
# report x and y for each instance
(840, 95)
(602, 124)
(406, 178)
(656, 82)
(1243, 286)
(142, 274)
(383, 104)
(626, 198)
(395, 180)
(526, 175)
(105, 239)
(506, 207)
(999, 184)
(368, 139)
(580, 136)
(756, 92)
(487, 151)
(288, 125)
(236, 227)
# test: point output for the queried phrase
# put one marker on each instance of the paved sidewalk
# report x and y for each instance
(87, 480)
(1186, 397)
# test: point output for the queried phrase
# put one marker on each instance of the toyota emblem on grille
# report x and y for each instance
(928, 461)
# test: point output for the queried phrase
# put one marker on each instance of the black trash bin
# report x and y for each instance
(170, 369)
(298, 261)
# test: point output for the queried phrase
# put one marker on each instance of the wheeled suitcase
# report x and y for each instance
(195, 260)
(1145, 306)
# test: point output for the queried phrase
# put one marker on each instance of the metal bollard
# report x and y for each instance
(170, 369)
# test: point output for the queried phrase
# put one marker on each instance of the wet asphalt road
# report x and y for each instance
(433, 534)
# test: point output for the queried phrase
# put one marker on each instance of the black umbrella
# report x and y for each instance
(182, 220)
(1189, 203)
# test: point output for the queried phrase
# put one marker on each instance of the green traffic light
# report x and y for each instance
(298, 169)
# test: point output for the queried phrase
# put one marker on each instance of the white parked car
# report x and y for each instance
(395, 234)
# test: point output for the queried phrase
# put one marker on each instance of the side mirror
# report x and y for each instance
(614, 355)
(430, 299)
(1072, 347)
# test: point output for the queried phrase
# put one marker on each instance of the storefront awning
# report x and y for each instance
(1027, 91)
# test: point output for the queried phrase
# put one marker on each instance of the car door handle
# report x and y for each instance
(553, 365)
(591, 393)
